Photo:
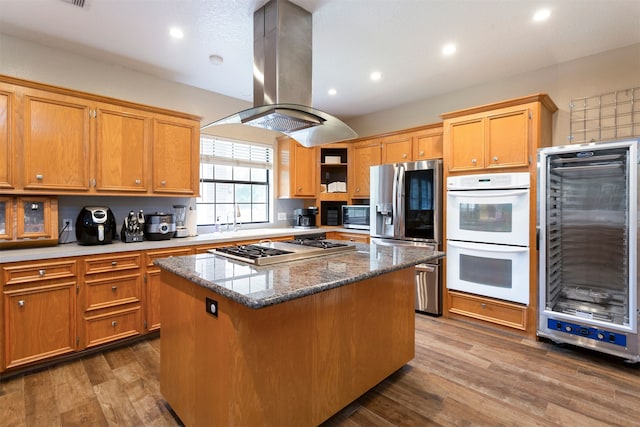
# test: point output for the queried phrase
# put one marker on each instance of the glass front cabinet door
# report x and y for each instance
(6, 218)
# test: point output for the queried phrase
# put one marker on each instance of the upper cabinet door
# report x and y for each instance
(466, 145)
(122, 143)
(427, 144)
(507, 136)
(397, 148)
(56, 142)
(176, 152)
(6, 139)
(365, 154)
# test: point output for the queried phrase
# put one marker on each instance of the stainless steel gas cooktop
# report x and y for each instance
(275, 252)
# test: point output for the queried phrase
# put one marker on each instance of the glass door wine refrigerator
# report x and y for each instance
(588, 225)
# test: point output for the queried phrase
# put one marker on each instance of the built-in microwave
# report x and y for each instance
(356, 216)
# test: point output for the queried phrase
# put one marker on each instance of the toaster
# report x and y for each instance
(159, 226)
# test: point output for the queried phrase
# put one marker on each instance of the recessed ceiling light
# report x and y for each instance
(332, 91)
(176, 33)
(449, 49)
(216, 59)
(542, 15)
(375, 76)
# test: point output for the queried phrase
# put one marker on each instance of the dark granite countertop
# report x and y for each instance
(261, 286)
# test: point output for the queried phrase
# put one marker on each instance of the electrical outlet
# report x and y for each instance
(282, 216)
(67, 221)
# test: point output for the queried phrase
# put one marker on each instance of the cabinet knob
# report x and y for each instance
(358, 190)
(404, 155)
(21, 303)
(495, 158)
(41, 273)
(138, 182)
(114, 323)
(474, 161)
(422, 153)
(483, 305)
(114, 288)
(39, 177)
(299, 188)
(163, 183)
(114, 263)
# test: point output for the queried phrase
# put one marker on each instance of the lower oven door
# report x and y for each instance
(496, 271)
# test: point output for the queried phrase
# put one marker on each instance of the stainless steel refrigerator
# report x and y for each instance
(588, 243)
(406, 209)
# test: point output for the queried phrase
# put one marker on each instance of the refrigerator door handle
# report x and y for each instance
(398, 209)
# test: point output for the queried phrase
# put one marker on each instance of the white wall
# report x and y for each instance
(594, 75)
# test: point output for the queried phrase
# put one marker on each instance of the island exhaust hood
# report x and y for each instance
(282, 59)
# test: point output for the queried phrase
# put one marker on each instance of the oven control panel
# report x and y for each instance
(588, 332)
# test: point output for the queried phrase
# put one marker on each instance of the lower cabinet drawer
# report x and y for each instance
(113, 326)
(494, 311)
(113, 291)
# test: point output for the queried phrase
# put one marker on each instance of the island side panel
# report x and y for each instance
(294, 363)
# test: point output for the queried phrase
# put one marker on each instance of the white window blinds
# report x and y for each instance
(235, 153)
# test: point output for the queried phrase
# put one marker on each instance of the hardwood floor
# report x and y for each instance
(462, 374)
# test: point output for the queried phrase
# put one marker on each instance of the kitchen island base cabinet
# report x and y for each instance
(294, 363)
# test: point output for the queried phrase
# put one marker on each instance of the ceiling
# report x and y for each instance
(402, 39)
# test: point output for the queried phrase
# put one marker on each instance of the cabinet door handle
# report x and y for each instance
(137, 182)
(404, 155)
(114, 323)
(483, 305)
(358, 190)
(163, 183)
(474, 161)
(495, 159)
(21, 303)
(41, 273)
(114, 263)
(422, 153)
(114, 288)
(299, 188)
(39, 177)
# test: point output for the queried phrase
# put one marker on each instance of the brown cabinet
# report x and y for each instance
(123, 141)
(111, 298)
(500, 137)
(427, 144)
(28, 221)
(297, 170)
(152, 283)
(365, 154)
(397, 148)
(352, 237)
(176, 156)
(7, 102)
(489, 140)
(39, 304)
(58, 141)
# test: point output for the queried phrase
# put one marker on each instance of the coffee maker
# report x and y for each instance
(305, 217)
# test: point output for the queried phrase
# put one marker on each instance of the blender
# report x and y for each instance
(180, 212)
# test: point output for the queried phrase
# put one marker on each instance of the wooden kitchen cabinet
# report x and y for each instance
(297, 170)
(152, 284)
(176, 156)
(494, 137)
(365, 154)
(397, 148)
(64, 141)
(123, 139)
(110, 298)
(7, 102)
(498, 312)
(351, 237)
(427, 143)
(56, 141)
(28, 221)
(39, 304)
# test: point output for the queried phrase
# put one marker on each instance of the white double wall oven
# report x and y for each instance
(488, 235)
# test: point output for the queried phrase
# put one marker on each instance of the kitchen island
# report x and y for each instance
(286, 344)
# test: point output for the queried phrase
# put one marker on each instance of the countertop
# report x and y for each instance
(262, 286)
(74, 249)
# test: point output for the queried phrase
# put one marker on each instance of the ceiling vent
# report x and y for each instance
(282, 63)
(79, 3)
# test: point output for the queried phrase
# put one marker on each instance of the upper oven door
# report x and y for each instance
(489, 216)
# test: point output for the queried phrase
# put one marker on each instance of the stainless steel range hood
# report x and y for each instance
(282, 64)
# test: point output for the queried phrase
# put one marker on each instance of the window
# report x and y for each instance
(235, 177)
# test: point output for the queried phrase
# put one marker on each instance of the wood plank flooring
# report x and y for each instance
(463, 374)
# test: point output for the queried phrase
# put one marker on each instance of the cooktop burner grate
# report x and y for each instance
(252, 251)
